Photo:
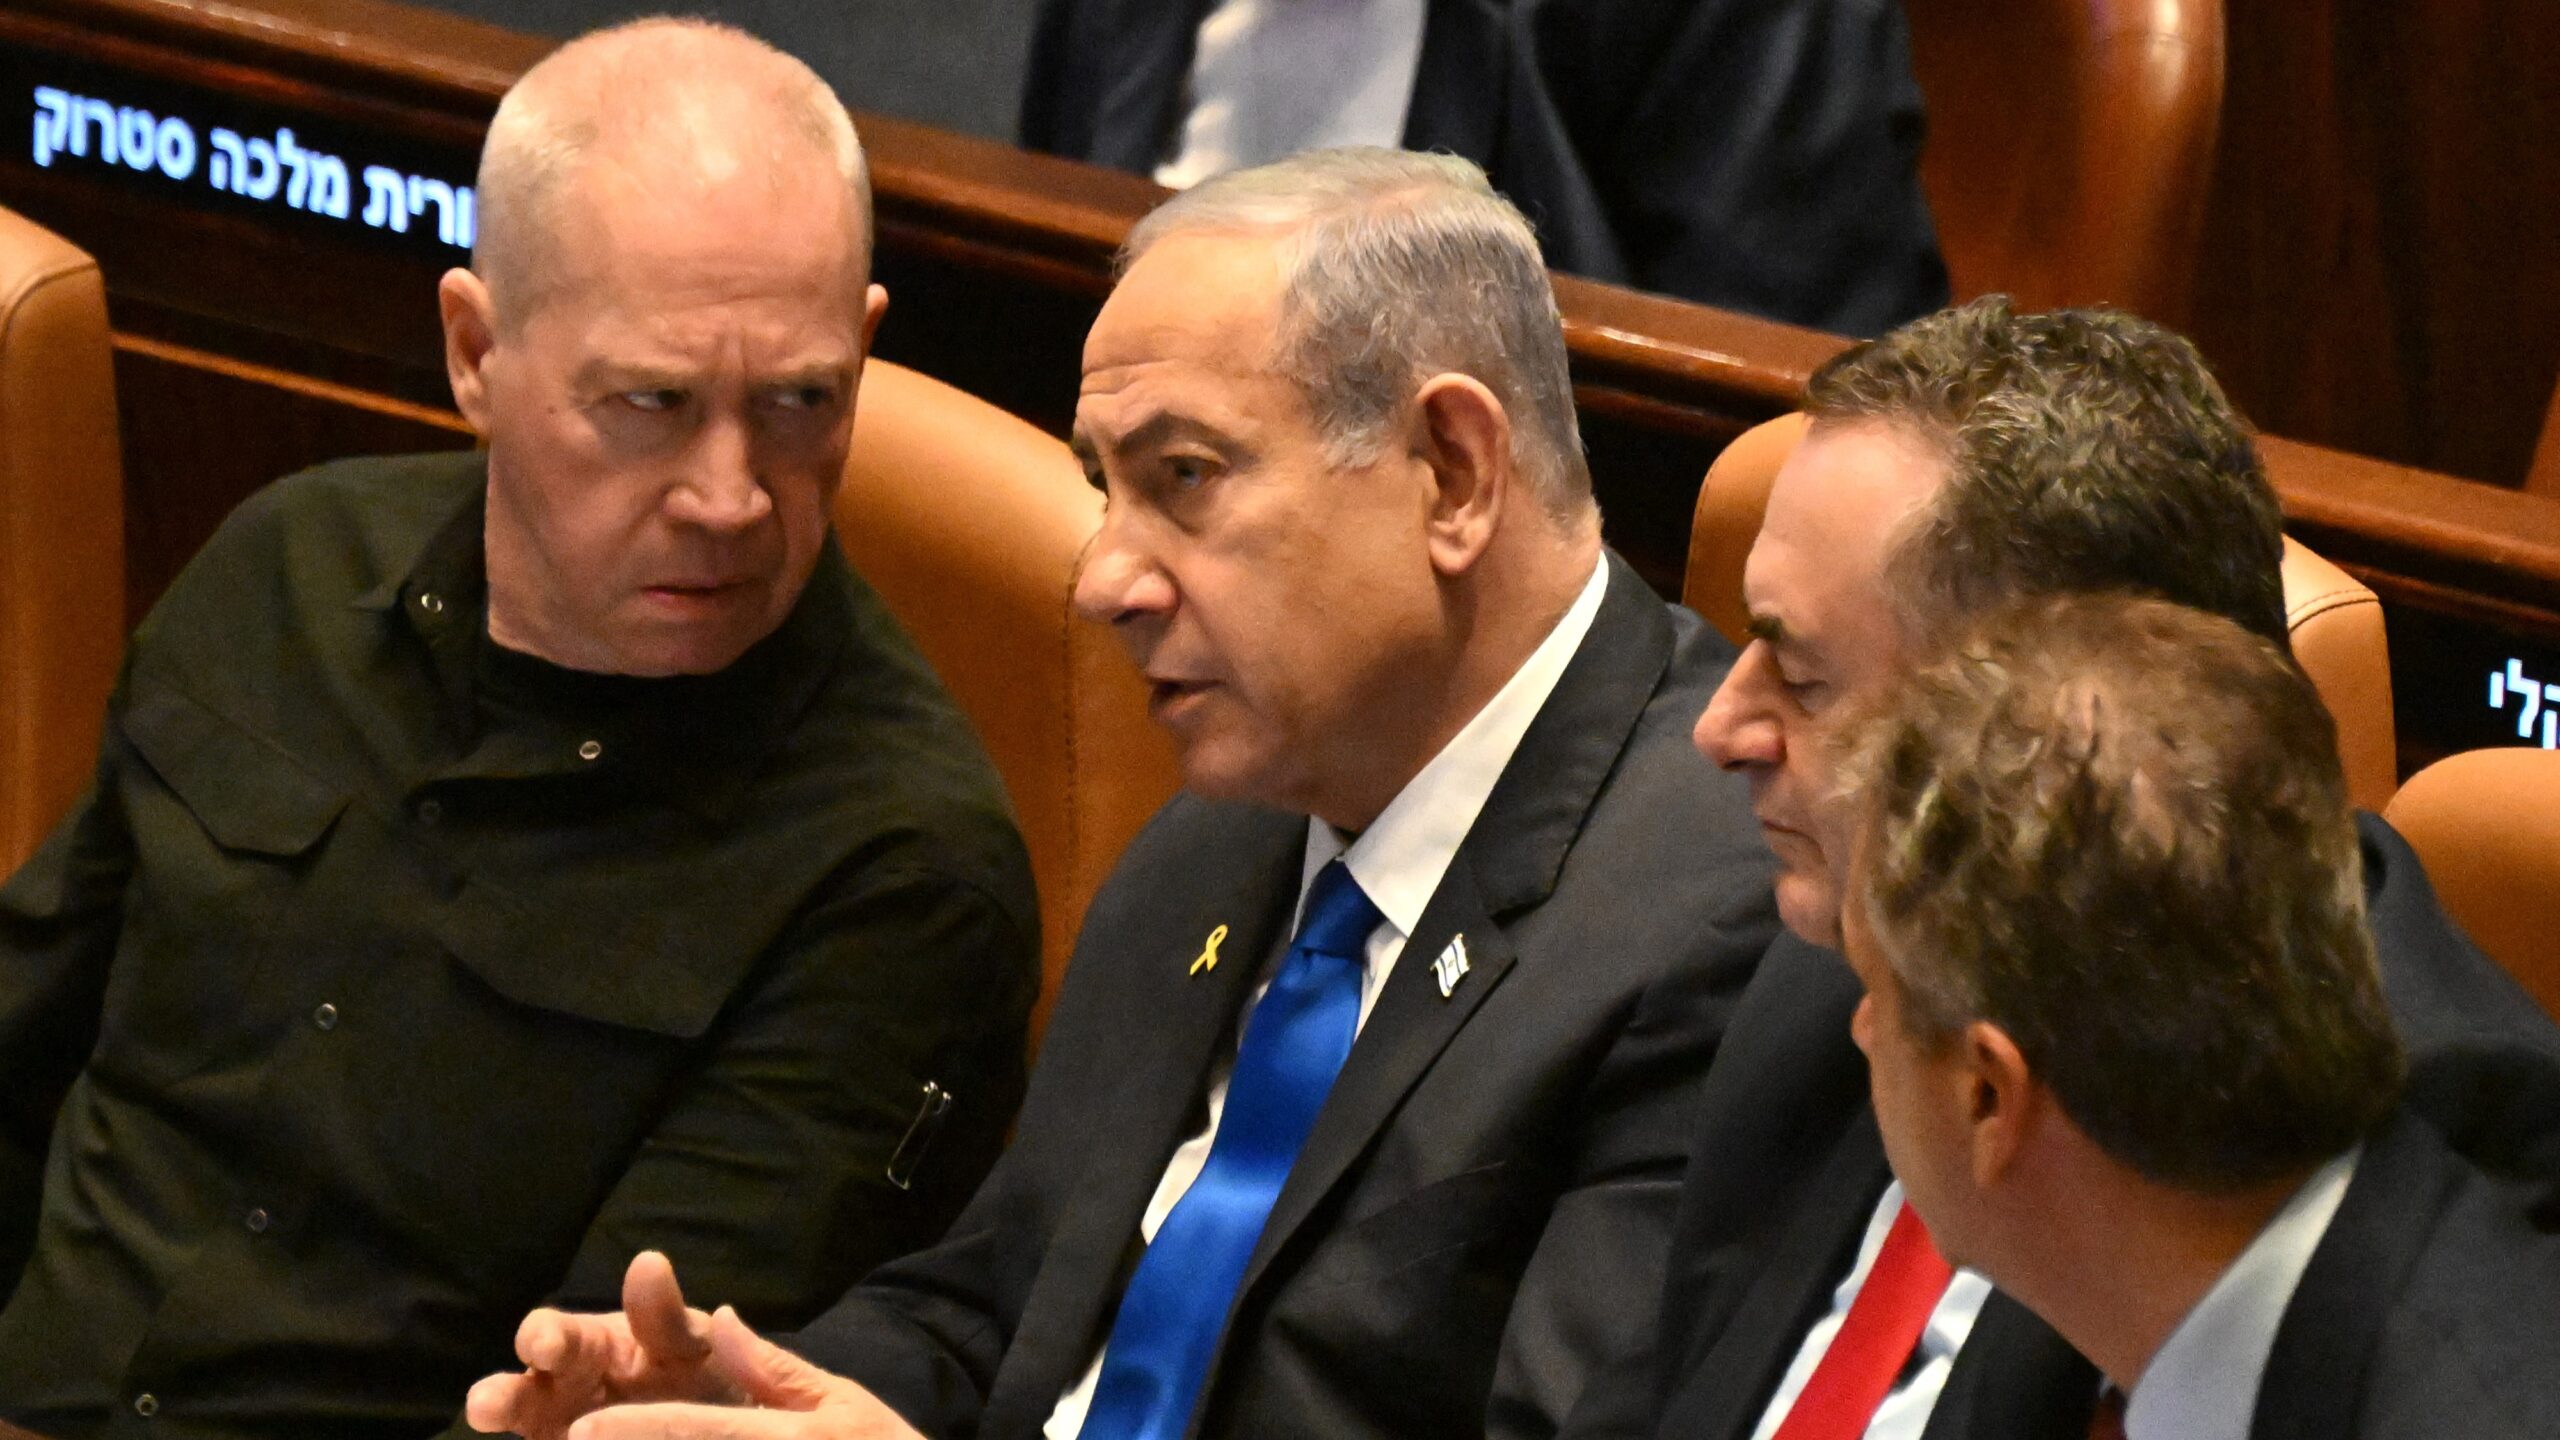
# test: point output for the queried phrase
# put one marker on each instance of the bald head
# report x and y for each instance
(660, 341)
(661, 113)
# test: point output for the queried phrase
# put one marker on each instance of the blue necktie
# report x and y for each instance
(1294, 1043)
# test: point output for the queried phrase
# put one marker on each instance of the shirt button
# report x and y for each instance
(326, 1017)
(146, 1405)
(432, 603)
(256, 1220)
(430, 811)
(590, 749)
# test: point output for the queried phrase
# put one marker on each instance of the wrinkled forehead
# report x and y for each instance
(1207, 300)
(637, 229)
(1189, 332)
(1839, 505)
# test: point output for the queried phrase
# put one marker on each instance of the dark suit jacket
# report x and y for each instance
(1490, 1183)
(2431, 1308)
(1761, 157)
(1788, 1167)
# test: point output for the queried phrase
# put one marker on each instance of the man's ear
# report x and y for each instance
(1465, 437)
(2002, 1096)
(875, 303)
(470, 334)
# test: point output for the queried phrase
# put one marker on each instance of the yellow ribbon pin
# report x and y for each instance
(1209, 952)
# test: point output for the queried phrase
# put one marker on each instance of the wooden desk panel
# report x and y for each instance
(253, 339)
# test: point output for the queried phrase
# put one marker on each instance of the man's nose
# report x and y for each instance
(1739, 728)
(720, 490)
(1116, 581)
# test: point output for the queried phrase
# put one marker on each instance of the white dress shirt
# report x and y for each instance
(1398, 861)
(1905, 1410)
(1270, 78)
(2203, 1382)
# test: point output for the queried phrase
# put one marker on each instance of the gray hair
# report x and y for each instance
(665, 82)
(1400, 266)
(2085, 450)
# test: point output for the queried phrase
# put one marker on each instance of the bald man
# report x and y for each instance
(500, 863)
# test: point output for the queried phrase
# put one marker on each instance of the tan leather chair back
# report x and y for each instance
(969, 523)
(2486, 824)
(2336, 622)
(61, 530)
(2544, 477)
(1730, 504)
(2070, 145)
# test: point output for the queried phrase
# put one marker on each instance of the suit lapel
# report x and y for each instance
(1466, 49)
(2324, 1346)
(1140, 54)
(1508, 863)
(2014, 1379)
(1723, 1397)
(1406, 1032)
(1188, 1028)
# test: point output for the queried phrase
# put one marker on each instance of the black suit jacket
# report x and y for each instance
(1490, 1183)
(1788, 1166)
(2431, 1308)
(1761, 157)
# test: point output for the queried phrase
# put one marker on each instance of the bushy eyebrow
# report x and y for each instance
(1768, 629)
(619, 375)
(1151, 433)
(623, 375)
(821, 372)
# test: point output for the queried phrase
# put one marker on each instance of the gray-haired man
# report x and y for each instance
(1401, 1166)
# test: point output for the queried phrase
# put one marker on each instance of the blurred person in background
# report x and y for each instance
(1755, 156)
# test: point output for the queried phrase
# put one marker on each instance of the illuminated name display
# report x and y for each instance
(270, 169)
(2511, 689)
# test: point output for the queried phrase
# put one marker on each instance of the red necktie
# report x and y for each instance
(1875, 1341)
(2107, 1421)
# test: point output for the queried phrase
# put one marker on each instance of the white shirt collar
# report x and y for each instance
(2203, 1383)
(1401, 857)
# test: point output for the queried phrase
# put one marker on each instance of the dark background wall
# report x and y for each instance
(953, 63)
(2381, 268)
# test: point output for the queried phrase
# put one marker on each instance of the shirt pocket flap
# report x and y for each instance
(245, 792)
(649, 974)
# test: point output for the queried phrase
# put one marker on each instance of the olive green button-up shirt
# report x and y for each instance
(389, 984)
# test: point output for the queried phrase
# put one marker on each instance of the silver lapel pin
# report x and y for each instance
(1451, 967)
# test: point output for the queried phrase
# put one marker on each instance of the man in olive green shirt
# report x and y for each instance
(501, 864)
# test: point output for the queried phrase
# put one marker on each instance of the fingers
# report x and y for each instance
(493, 1404)
(769, 1375)
(654, 1305)
(703, 1422)
(532, 1405)
(796, 1400)
(716, 1422)
(579, 1349)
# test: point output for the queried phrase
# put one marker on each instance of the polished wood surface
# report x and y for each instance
(2070, 146)
(251, 342)
(2544, 478)
(2381, 272)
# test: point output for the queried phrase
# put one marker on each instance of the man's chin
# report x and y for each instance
(1809, 906)
(1217, 764)
(658, 645)
(661, 657)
